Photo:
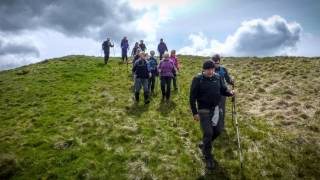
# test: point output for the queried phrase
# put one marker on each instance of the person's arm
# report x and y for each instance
(134, 67)
(227, 77)
(158, 48)
(224, 89)
(165, 47)
(193, 95)
(159, 67)
(103, 45)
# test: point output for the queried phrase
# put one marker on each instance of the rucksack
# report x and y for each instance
(221, 71)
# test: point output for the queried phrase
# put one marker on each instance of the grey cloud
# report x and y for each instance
(17, 49)
(93, 19)
(266, 37)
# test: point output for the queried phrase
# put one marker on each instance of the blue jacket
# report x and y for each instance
(124, 44)
(162, 47)
(153, 64)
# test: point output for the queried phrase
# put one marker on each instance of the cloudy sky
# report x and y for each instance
(33, 30)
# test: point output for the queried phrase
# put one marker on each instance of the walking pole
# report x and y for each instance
(235, 122)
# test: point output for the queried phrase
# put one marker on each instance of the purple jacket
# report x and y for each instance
(166, 68)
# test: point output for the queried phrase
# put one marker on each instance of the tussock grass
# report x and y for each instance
(74, 118)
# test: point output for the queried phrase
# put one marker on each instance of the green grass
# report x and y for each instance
(74, 118)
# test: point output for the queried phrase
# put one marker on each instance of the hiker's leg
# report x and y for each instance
(217, 130)
(174, 79)
(106, 57)
(207, 131)
(137, 87)
(163, 86)
(153, 80)
(122, 55)
(223, 106)
(168, 87)
(150, 83)
(145, 83)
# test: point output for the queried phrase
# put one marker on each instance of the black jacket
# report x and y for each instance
(142, 47)
(140, 68)
(106, 46)
(207, 92)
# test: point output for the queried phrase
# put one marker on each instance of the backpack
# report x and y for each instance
(221, 71)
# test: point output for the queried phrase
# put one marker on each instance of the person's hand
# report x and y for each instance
(196, 117)
(233, 82)
(233, 92)
(150, 75)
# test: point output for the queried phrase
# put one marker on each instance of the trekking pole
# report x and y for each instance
(235, 121)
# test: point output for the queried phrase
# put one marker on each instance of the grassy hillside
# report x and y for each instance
(74, 118)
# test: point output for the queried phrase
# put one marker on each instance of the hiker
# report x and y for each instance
(124, 49)
(136, 56)
(142, 74)
(206, 91)
(222, 71)
(106, 49)
(162, 47)
(166, 69)
(135, 49)
(154, 71)
(174, 60)
(142, 46)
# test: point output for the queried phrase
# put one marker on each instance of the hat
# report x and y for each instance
(216, 58)
(208, 65)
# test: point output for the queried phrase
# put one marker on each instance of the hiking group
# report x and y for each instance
(208, 89)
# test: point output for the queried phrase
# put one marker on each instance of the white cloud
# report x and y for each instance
(257, 37)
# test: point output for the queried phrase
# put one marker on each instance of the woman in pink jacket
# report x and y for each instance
(174, 60)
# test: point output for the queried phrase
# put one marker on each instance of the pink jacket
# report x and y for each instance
(174, 60)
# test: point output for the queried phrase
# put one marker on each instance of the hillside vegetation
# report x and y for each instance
(75, 118)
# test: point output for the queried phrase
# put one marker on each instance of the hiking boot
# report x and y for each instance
(210, 164)
(136, 95)
(147, 101)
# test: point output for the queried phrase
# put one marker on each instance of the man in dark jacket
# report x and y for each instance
(124, 49)
(106, 49)
(205, 94)
(223, 72)
(142, 46)
(162, 47)
(141, 71)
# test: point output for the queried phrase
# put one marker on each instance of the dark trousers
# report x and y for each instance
(210, 133)
(124, 55)
(106, 57)
(152, 82)
(174, 80)
(223, 106)
(166, 86)
(161, 54)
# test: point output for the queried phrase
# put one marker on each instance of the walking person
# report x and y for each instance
(205, 94)
(135, 49)
(166, 69)
(162, 47)
(106, 49)
(174, 60)
(142, 46)
(153, 64)
(142, 74)
(223, 72)
(124, 49)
